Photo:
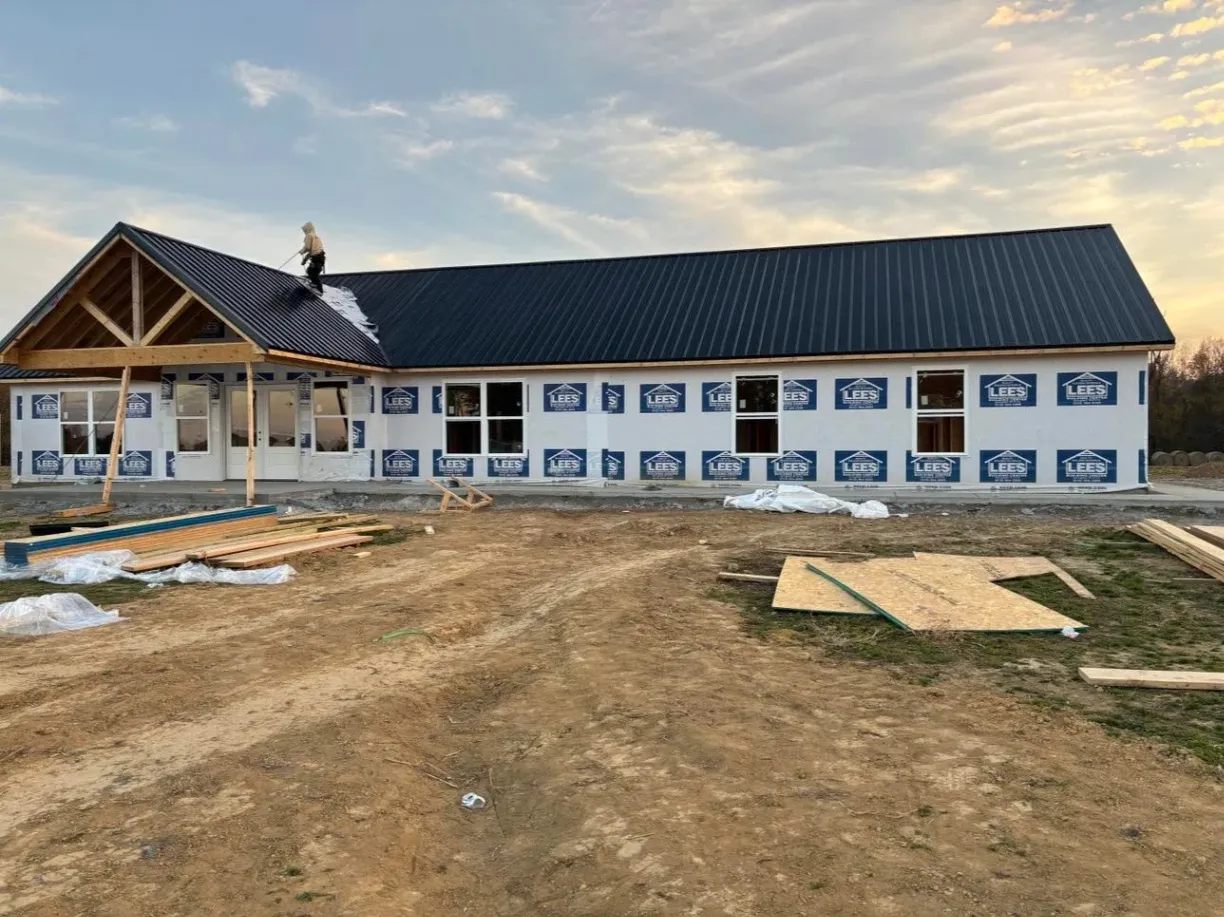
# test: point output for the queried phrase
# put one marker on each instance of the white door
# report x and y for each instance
(276, 433)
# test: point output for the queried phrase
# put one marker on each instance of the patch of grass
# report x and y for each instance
(291, 871)
(311, 896)
(104, 595)
(817, 884)
(395, 536)
(1144, 617)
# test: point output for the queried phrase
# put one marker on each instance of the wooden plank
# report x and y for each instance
(241, 546)
(747, 577)
(145, 545)
(1150, 678)
(105, 320)
(999, 569)
(96, 510)
(117, 441)
(137, 299)
(360, 369)
(164, 355)
(1211, 533)
(250, 456)
(276, 555)
(815, 552)
(164, 322)
(801, 590)
(1190, 548)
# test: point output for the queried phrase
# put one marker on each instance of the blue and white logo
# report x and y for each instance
(437, 399)
(723, 466)
(662, 466)
(791, 466)
(139, 406)
(613, 465)
(565, 463)
(401, 463)
(932, 469)
(89, 466)
(1087, 466)
(358, 434)
(46, 463)
(716, 397)
(509, 466)
(305, 440)
(565, 397)
(1010, 391)
(453, 466)
(862, 394)
(136, 464)
(612, 398)
(799, 395)
(1009, 466)
(663, 399)
(400, 400)
(1087, 389)
(44, 407)
(171, 464)
(862, 467)
(167, 387)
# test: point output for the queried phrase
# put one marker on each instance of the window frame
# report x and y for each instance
(919, 412)
(483, 417)
(315, 415)
(736, 414)
(206, 417)
(90, 424)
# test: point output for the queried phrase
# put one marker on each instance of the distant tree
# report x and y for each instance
(1186, 395)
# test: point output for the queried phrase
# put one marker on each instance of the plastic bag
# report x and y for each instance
(104, 566)
(202, 573)
(88, 569)
(795, 498)
(52, 614)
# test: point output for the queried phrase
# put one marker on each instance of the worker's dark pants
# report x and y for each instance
(314, 270)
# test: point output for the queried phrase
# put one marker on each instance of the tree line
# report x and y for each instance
(1186, 394)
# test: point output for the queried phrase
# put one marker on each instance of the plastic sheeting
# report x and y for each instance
(105, 566)
(795, 498)
(52, 614)
(344, 302)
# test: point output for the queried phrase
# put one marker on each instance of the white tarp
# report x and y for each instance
(104, 566)
(795, 498)
(344, 302)
(52, 614)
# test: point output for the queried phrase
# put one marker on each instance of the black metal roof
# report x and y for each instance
(1039, 289)
(9, 373)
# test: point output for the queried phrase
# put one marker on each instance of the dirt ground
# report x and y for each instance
(230, 751)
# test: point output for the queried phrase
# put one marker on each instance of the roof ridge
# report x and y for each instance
(203, 248)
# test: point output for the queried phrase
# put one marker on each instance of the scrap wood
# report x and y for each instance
(476, 499)
(747, 577)
(997, 569)
(799, 590)
(1150, 678)
(96, 509)
(1195, 551)
(243, 546)
(274, 555)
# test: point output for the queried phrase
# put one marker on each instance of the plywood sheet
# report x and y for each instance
(997, 569)
(1150, 678)
(939, 597)
(799, 589)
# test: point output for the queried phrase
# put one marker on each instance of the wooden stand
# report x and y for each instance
(250, 462)
(117, 443)
(476, 499)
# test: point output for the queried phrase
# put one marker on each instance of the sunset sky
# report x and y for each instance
(423, 133)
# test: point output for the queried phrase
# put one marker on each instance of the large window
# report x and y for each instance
(191, 417)
(940, 412)
(331, 417)
(756, 415)
(484, 418)
(87, 422)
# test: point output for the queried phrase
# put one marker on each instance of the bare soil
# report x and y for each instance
(646, 745)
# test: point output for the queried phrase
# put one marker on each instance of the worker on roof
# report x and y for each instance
(313, 256)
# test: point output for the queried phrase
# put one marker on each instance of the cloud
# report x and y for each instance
(1018, 13)
(1201, 143)
(1002, 46)
(572, 225)
(1173, 122)
(1179, 75)
(520, 168)
(156, 124)
(491, 105)
(1204, 90)
(412, 152)
(262, 85)
(1193, 60)
(1197, 26)
(1153, 62)
(24, 99)
(934, 181)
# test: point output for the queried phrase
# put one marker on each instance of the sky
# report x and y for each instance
(416, 133)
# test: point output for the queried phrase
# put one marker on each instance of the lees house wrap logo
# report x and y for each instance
(667, 398)
(400, 400)
(861, 467)
(1087, 466)
(1009, 466)
(401, 463)
(1009, 391)
(565, 397)
(662, 466)
(509, 466)
(613, 465)
(862, 394)
(799, 395)
(932, 469)
(716, 397)
(1087, 389)
(791, 467)
(723, 466)
(452, 465)
(565, 463)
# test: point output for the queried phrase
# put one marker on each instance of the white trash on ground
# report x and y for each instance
(795, 498)
(202, 573)
(52, 614)
(105, 566)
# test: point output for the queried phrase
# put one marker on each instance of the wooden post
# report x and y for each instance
(137, 299)
(250, 466)
(120, 416)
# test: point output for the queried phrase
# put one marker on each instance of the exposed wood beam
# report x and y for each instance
(250, 461)
(162, 323)
(137, 298)
(85, 270)
(364, 369)
(106, 322)
(166, 355)
(116, 442)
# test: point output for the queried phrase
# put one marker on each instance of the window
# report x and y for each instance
(756, 415)
(87, 422)
(940, 412)
(484, 418)
(191, 417)
(331, 417)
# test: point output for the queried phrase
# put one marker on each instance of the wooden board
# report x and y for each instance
(1211, 533)
(1195, 551)
(96, 510)
(268, 556)
(799, 589)
(998, 569)
(243, 545)
(936, 597)
(1149, 678)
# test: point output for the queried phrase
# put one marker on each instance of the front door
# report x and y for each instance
(276, 433)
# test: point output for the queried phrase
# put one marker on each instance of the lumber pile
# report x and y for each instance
(1150, 678)
(1197, 552)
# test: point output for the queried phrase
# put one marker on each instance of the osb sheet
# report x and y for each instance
(799, 589)
(996, 569)
(924, 596)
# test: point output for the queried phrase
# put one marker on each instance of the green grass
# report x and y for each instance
(395, 536)
(1145, 617)
(105, 595)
